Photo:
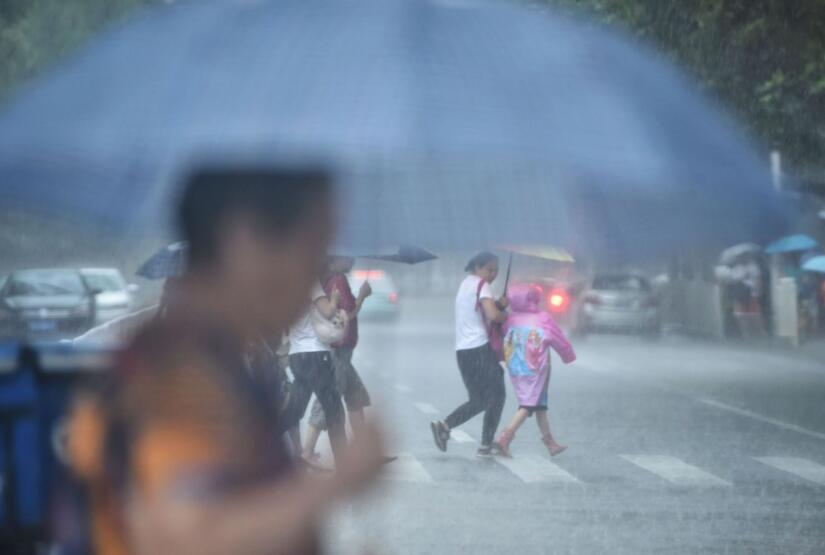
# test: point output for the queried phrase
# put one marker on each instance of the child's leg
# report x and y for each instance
(546, 437)
(543, 422)
(518, 419)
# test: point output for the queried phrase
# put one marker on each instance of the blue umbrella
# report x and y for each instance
(446, 125)
(167, 262)
(815, 264)
(792, 243)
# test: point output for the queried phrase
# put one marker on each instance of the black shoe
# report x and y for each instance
(484, 452)
(440, 434)
(389, 458)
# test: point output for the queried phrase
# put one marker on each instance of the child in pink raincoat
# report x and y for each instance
(529, 333)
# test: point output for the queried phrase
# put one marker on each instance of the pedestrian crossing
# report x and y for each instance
(675, 471)
(650, 470)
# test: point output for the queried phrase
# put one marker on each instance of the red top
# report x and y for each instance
(341, 283)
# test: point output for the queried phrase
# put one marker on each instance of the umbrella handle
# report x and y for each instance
(507, 277)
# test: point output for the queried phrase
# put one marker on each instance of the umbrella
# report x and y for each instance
(731, 254)
(815, 264)
(165, 263)
(405, 254)
(792, 243)
(555, 254)
(446, 124)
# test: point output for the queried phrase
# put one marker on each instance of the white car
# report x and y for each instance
(114, 297)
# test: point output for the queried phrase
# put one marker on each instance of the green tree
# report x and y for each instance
(765, 59)
(36, 33)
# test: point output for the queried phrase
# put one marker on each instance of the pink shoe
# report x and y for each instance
(501, 446)
(553, 447)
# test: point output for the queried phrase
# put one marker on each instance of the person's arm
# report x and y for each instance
(492, 312)
(363, 293)
(557, 340)
(276, 519)
(327, 305)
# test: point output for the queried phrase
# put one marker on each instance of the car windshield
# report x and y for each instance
(103, 281)
(629, 284)
(45, 284)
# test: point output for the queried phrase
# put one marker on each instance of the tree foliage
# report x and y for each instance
(765, 59)
(36, 33)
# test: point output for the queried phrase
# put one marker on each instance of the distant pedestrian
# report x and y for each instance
(348, 382)
(475, 311)
(529, 334)
(310, 360)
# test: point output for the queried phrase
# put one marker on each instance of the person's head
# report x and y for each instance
(483, 265)
(341, 264)
(260, 234)
(524, 297)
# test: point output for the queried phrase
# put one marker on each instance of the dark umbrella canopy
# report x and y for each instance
(168, 262)
(445, 125)
(405, 254)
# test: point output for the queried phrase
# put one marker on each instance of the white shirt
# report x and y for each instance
(470, 331)
(302, 336)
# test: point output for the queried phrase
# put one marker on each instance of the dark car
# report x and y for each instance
(45, 304)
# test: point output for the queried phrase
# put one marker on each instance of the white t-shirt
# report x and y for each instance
(302, 336)
(470, 331)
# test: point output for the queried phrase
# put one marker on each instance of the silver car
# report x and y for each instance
(114, 298)
(620, 302)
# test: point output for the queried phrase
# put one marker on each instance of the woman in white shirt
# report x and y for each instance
(311, 363)
(482, 375)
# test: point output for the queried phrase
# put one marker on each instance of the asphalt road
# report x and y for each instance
(675, 446)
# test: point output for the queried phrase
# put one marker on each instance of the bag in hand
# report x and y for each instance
(330, 331)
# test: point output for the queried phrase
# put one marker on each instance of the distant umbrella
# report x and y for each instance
(815, 264)
(445, 124)
(404, 254)
(554, 254)
(792, 243)
(731, 254)
(170, 261)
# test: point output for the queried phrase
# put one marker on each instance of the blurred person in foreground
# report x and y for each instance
(348, 382)
(529, 334)
(177, 450)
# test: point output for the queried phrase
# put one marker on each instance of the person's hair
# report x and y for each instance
(274, 201)
(480, 260)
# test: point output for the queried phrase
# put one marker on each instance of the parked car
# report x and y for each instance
(620, 301)
(46, 304)
(383, 304)
(115, 297)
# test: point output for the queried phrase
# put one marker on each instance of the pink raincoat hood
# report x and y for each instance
(524, 298)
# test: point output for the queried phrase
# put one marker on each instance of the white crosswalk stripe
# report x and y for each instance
(407, 469)
(675, 470)
(461, 436)
(808, 470)
(533, 469)
(426, 408)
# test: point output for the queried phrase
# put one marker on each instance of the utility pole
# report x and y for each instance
(776, 169)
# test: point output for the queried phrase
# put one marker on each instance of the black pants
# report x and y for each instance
(314, 373)
(484, 380)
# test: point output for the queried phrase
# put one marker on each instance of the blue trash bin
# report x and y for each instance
(36, 387)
